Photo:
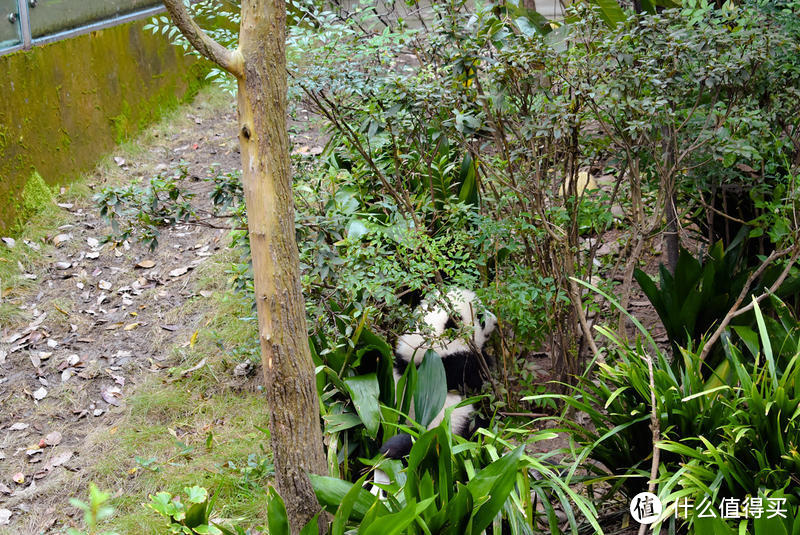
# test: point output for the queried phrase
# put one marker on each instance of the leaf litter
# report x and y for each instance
(94, 327)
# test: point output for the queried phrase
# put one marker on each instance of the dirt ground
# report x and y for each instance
(100, 320)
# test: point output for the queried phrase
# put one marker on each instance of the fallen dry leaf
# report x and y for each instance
(60, 459)
(131, 326)
(111, 395)
(19, 426)
(40, 393)
(53, 439)
(5, 517)
(61, 238)
(177, 272)
(146, 264)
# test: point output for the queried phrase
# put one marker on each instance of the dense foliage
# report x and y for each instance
(482, 146)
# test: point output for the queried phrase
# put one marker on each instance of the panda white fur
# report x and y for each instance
(460, 309)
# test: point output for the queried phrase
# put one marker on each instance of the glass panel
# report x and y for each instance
(52, 16)
(9, 23)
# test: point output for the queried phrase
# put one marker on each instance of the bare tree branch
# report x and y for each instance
(735, 311)
(229, 60)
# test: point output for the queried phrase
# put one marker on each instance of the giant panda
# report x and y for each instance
(458, 309)
(461, 311)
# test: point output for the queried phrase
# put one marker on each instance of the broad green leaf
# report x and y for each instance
(395, 523)
(312, 528)
(496, 482)
(749, 337)
(335, 423)
(364, 392)
(355, 229)
(610, 11)
(385, 364)
(277, 519)
(469, 187)
(331, 491)
(431, 392)
(346, 507)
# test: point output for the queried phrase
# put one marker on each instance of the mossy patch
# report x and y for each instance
(36, 197)
(92, 91)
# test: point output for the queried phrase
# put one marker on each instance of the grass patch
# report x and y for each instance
(30, 253)
(204, 429)
(176, 436)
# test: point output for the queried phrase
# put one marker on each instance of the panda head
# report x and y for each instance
(459, 312)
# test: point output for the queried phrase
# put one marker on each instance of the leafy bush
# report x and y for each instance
(733, 434)
(699, 293)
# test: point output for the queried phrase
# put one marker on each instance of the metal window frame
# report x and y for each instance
(28, 43)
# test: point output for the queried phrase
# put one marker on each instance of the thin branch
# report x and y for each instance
(229, 60)
(735, 311)
(655, 427)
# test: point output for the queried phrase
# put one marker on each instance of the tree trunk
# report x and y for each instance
(293, 405)
(671, 239)
(285, 354)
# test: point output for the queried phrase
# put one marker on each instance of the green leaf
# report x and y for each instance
(346, 507)
(395, 523)
(196, 494)
(610, 11)
(712, 526)
(468, 192)
(335, 423)
(749, 337)
(496, 482)
(453, 519)
(331, 491)
(431, 392)
(364, 392)
(765, 343)
(649, 6)
(277, 520)
(355, 229)
(385, 364)
(312, 527)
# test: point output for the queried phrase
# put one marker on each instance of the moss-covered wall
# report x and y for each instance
(65, 104)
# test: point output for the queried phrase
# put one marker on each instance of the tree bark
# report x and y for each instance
(293, 405)
(671, 238)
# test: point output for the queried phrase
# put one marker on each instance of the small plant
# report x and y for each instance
(191, 517)
(94, 512)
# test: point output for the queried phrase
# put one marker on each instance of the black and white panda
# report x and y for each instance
(458, 310)
(462, 311)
